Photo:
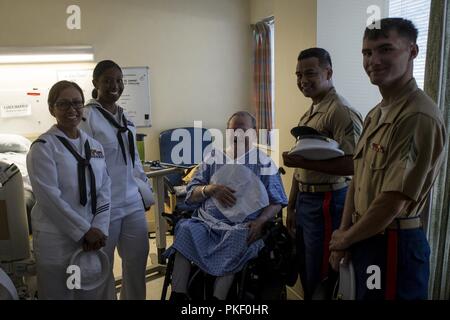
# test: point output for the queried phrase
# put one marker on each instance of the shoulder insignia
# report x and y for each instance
(37, 141)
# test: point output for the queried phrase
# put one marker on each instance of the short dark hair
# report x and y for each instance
(99, 69)
(404, 27)
(243, 114)
(319, 53)
(60, 86)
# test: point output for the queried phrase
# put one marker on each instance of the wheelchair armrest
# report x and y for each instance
(169, 186)
(173, 218)
(169, 217)
(180, 191)
(175, 190)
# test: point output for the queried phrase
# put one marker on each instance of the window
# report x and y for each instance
(340, 27)
(263, 67)
(418, 11)
(272, 55)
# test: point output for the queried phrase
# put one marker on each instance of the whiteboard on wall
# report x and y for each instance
(135, 98)
(24, 92)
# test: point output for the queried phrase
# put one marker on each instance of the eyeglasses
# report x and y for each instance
(65, 105)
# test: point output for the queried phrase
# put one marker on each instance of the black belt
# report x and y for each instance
(82, 164)
(120, 130)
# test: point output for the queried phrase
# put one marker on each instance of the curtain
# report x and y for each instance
(262, 73)
(437, 86)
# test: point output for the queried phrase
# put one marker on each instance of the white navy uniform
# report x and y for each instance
(128, 229)
(59, 218)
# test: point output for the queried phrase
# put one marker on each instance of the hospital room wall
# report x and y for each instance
(198, 51)
(260, 9)
(295, 29)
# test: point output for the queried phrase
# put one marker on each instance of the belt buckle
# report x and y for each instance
(306, 188)
(313, 188)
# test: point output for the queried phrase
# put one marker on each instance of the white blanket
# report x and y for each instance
(251, 195)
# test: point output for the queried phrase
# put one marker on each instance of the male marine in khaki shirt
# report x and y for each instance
(396, 163)
(318, 188)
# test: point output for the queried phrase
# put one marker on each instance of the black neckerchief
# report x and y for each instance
(82, 164)
(120, 129)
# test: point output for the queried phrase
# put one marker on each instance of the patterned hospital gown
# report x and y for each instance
(209, 239)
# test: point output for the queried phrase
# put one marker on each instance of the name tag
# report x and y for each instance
(97, 154)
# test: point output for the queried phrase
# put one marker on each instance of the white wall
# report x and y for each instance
(260, 9)
(295, 30)
(340, 28)
(198, 51)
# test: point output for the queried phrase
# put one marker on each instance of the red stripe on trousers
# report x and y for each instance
(391, 265)
(328, 228)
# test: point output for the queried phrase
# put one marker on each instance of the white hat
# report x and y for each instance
(347, 286)
(312, 145)
(94, 267)
(7, 289)
(146, 193)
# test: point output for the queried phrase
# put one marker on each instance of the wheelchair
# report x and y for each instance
(174, 184)
(262, 278)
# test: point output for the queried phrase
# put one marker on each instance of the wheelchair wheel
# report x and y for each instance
(273, 290)
(201, 285)
(256, 284)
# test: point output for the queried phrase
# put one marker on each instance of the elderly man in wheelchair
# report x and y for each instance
(236, 192)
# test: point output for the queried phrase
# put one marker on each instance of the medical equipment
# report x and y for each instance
(14, 244)
(15, 255)
(7, 289)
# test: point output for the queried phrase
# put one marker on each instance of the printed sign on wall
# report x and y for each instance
(15, 110)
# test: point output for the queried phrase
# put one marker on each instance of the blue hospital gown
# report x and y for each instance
(214, 243)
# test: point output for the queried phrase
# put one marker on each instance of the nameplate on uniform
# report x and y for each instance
(97, 154)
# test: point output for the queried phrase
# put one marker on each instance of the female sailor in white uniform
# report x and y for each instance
(105, 121)
(68, 174)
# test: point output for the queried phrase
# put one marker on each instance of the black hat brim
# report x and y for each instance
(300, 131)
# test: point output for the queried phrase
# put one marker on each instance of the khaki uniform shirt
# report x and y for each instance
(401, 153)
(334, 118)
